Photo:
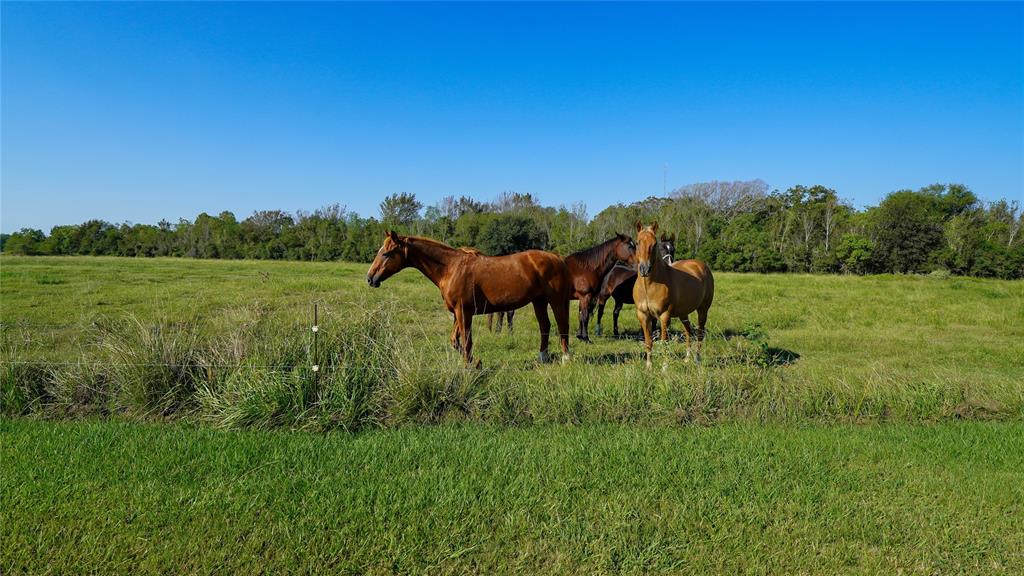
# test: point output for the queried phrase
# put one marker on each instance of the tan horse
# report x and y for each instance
(472, 283)
(663, 291)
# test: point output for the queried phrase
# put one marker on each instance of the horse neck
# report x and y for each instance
(606, 256)
(431, 259)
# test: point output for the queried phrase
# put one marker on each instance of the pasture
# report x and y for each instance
(230, 342)
(836, 425)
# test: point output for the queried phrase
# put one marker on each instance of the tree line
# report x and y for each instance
(735, 226)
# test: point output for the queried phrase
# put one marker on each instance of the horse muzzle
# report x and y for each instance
(373, 281)
(643, 269)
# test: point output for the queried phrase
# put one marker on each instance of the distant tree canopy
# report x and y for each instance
(734, 226)
(509, 233)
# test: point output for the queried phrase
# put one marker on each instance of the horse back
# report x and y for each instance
(517, 279)
(701, 273)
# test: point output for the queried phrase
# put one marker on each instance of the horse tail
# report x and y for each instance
(709, 289)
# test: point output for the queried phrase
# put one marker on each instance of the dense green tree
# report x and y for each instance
(26, 241)
(907, 230)
(400, 210)
(732, 225)
(509, 233)
(855, 253)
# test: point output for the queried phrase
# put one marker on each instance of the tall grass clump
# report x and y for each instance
(22, 382)
(22, 387)
(82, 388)
(424, 392)
(277, 384)
(151, 369)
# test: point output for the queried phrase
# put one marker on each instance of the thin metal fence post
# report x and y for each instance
(316, 349)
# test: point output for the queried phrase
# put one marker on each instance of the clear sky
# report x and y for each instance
(137, 112)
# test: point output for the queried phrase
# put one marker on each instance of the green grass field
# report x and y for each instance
(780, 348)
(113, 497)
(162, 416)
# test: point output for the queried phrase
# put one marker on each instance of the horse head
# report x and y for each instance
(389, 260)
(625, 249)
(647, 248)
(667, 245)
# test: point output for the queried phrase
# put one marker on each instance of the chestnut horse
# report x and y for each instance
(589, 267)
(663, 291)
(618, 284)
(472, 283)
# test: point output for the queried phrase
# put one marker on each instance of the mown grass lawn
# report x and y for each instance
(118, 497)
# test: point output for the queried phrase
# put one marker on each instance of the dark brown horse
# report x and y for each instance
(618, 284)
(589, 267)
(664, 291)
(472, 283)
(502, 316)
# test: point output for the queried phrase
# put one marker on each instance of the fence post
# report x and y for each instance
(316, 332)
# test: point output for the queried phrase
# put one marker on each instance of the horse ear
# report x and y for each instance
(639, 226)
(654, 227)
(673, 237)
(392, 234)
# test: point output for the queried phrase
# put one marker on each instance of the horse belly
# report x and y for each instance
(499, 290)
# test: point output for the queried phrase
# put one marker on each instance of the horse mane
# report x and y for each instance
(594, 256)
(471, 250)
(431, 242)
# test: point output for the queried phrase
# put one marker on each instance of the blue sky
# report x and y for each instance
(137, 112)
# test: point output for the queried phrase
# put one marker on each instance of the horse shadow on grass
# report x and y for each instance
(757, 352)
(609, 358)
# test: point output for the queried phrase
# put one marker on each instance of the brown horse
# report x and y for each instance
(472, 283)
(665, 291)
(589, 267)
(618, 284)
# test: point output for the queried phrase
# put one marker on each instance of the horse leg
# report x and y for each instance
(584, 317)
(509, 316)
(702, 321)
(645, 325)
(455, 334)
(615, 317)
(561, 310)
(501, 322)
(689, 336)
(600, 314)
(490, 322)
(540, 308)
(665, 319)
(467, 337)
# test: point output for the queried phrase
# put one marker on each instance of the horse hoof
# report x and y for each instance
(565, 359)
(597, 331)
(648, 364)
(543, 358)
(664, 366)
(479, 364)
